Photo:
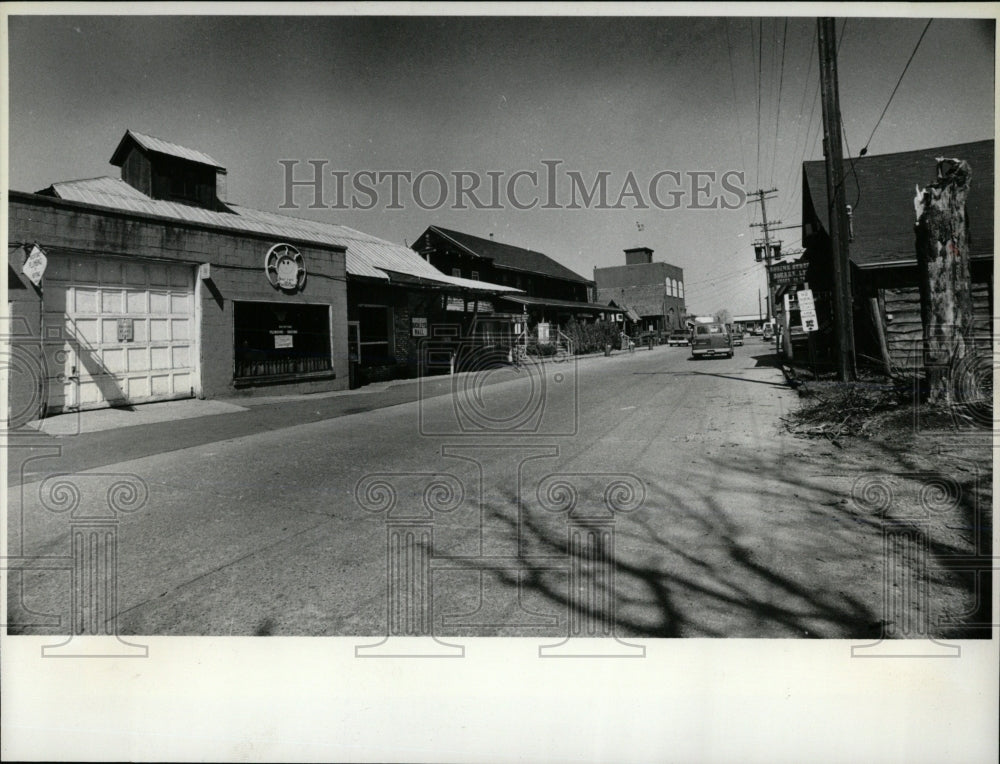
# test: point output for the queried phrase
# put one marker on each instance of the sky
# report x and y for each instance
(502, 95)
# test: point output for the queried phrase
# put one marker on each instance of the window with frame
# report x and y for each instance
(277, 339)
(457, 272)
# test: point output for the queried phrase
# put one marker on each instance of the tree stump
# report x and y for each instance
(945, 285)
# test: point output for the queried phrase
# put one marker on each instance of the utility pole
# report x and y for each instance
(762, 196)
(843, 309)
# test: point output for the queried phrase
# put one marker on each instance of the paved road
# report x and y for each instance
(648, 494)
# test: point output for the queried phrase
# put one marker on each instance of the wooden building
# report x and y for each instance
(884, 276)
(551, 294)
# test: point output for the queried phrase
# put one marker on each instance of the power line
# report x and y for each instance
(760, 56)
(739, 123)
(892, 95)
(777, 115)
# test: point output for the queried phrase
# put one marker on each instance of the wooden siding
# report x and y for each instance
(904, 331)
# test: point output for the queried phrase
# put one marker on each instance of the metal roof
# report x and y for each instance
(160, 146)
(367, 255)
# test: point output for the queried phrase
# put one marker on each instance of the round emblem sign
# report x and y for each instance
(285, 267)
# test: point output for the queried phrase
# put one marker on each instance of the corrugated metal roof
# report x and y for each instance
(151, 143)
(367, 255)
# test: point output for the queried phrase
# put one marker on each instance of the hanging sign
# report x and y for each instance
(34, 265)
(788, 273)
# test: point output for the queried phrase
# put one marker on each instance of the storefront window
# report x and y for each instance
(274, 339)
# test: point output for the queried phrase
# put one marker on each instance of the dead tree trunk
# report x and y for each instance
(943, 262)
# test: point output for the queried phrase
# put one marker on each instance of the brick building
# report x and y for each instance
(152, 286)
(654, 291)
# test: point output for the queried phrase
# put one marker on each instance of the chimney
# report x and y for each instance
(638, 256)
(491, 235)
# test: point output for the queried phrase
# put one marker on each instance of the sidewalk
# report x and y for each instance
(90, 439)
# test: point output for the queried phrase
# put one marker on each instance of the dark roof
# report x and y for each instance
(508, 256)
(884, 215)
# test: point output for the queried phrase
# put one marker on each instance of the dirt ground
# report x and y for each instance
(928, 483)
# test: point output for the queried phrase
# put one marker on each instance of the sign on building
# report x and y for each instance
(34, 265)
(807, 310)
(418, 326)
(788, 273)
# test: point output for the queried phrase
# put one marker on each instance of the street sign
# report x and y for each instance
(788, 273)
(807, 310)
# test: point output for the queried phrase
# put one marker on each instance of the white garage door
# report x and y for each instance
(117, 331)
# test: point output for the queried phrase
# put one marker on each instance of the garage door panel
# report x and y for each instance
(136, 301)
(111, 301)
(86, 331)
(109, 330)
(84, 304)
(110, 272)
(138, 359)
(114, 360)
(135, 273)
(159, 329)
(159, 358)
(158, 274)
(180, 303)
(84, 269)
(138, 388)
(87, 300)
(159, 303)
(160, 384)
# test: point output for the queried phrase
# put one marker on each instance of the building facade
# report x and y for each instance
(549, 293)
(652, 290)
(884, 274)
(153, 286)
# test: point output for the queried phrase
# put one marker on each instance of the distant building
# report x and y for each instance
(553, 293)
(653, 290)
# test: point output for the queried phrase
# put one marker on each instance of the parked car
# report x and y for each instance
(678, 338)
(738, 337)
(711, 339)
